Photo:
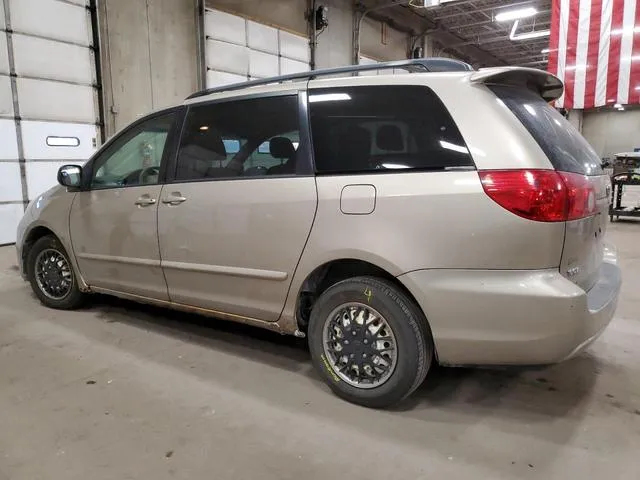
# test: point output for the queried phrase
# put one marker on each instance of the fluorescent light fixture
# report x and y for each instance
(516, 14)
(527, 35)
(329, 97)
(394, 166)
(204, 128)
(454, 147)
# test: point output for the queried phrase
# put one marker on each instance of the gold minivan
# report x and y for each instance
(448, 215)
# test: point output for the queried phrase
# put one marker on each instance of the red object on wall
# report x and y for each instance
(595, 50)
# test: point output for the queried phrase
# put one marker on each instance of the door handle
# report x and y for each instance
(174, 199)
(145, 201)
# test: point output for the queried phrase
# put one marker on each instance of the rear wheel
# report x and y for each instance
(369, 341)
(51, 275)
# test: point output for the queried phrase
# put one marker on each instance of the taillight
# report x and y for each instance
(541, 195)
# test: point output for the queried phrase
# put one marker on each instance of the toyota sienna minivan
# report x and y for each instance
(395, 221)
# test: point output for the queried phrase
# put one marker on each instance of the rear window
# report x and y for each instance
(373, 129)
(567, 150)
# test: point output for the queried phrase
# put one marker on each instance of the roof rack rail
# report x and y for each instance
(433, 64)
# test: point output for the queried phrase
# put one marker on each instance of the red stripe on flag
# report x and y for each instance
(634, 80)
(592, 54)
(572, 47)
(552, 65)
(613, 74)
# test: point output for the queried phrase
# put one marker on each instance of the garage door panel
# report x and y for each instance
(294, 47)
(224, 26)
(58, 141)
(216, 78)
(11, 184)
(227, 57)
(10, 215)
(4, 55)
(6, 97)
(41, 176)
(37, 57)
(8, 142)
(51, 19)
(49, 100)
(262, 64)
(288, 66)
(262, 37)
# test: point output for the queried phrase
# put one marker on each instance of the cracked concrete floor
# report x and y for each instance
(122, 391)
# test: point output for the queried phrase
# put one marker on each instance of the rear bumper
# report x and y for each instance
(506, 317)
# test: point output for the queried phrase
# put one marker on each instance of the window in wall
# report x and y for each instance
(381, 128)
(242, 138)
(135, 158)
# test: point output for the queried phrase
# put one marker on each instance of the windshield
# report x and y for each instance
(567, 150)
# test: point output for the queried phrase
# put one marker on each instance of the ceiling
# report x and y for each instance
(467, 29)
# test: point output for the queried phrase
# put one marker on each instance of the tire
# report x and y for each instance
(71, 297)
(410, 332)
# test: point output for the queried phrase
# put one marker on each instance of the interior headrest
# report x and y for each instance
(281, 147)
(389, 137)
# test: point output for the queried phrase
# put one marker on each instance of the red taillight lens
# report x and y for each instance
(541, 195)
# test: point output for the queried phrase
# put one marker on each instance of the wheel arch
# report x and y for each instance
(333, 271)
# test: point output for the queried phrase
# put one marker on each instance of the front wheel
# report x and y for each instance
(51, 275)
(369, 341)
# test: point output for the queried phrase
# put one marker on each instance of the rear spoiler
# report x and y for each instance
(546, 84)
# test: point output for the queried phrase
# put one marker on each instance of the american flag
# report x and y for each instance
(595, 50)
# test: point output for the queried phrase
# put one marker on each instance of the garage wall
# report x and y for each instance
(611, 132)
(238, 49)
(382, 42)
(149, 56)
(48, 98)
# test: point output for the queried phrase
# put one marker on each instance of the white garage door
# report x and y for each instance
(238, 50)
(48, 107)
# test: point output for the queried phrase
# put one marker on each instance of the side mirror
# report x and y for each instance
(70, 176)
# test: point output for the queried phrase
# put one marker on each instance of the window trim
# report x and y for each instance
(169, 148)
(304, 168)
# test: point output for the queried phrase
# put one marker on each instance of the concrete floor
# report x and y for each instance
(121, 391)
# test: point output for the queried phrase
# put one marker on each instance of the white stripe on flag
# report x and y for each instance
(580, 82)
(603, 53)
(562, 44)
(626, 49)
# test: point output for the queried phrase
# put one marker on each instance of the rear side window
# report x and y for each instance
(374, 129)
(566, 149)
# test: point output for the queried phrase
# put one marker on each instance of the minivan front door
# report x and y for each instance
(233, 224)
(113, 223)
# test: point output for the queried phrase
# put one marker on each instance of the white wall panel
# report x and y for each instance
(294, 46)
(262, 64)
(11, 185)
(37, 57)
(6, 98)
(288, 66)
(41, 176)
(51, 19)
(227, 57)
(10, 215)
(40, 139)
(224, 26)
(4, 55)
(262, 37)
(2, 22)
(8, 143)
(84, 3)
(216, 78)
(47, 100)
(237, 47)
